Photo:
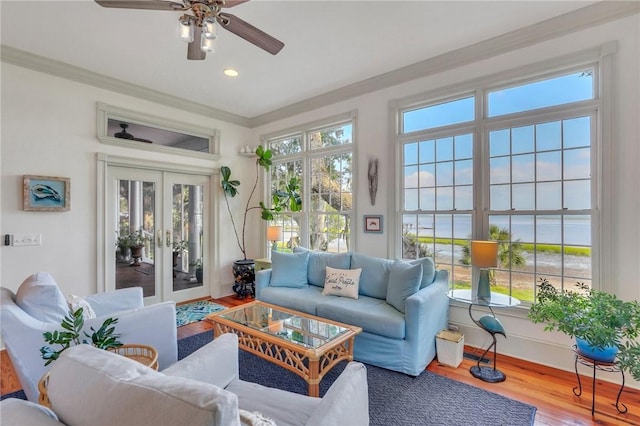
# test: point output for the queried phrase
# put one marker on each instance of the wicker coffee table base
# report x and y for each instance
(310, 364)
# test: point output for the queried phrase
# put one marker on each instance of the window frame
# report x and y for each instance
(602, 60)
(306, 156)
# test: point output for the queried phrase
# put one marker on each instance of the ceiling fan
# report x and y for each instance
(199, 29)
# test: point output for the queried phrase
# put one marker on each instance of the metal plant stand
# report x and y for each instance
(609, 367)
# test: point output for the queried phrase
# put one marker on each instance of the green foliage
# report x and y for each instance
(136, 239)
(180, 246)
(287, 198)
(598, 317)
(103, 338)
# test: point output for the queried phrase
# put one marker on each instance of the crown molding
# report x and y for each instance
(42, 64)
(596, 14)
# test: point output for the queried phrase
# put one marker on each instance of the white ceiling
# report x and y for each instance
(328, 44)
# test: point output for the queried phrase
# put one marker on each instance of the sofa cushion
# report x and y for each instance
(40, 297)
(18, 412)
(404, 280)
(318, 261)
(428, 270)
(375, 274)
(87, 383)
(373, 315)
(289, 269)
(299, 299)
(342, 282)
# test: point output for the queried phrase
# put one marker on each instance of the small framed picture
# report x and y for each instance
(373, 223)
(46, 193)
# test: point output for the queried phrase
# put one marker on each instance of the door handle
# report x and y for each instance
(168, 240)
(159, 237)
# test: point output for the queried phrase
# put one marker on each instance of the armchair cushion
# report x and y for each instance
(87, 384)
(77, 302)
(40, 297)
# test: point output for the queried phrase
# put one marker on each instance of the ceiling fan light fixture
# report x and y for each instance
(208, 45)
(185, 29)
(209, 28)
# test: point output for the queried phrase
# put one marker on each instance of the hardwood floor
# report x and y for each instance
(548, 389)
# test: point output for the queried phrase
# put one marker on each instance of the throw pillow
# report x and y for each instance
(404, 280)
(40, 297)
(428, 270)
(375, 274)
(289, 269)
(318, 262)
(247, 418)
(342, 282)
(77, 302)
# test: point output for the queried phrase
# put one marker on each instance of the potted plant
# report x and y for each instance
(598, 320)
(179, 247)
(136, 242)
(103, 338)
(289, 196)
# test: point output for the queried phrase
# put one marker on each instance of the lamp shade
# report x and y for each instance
(274, 233)
(484, 254)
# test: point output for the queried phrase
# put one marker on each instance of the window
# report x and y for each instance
(322, 157)
(521, 173)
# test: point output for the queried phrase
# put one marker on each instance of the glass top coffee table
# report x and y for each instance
(304, 344)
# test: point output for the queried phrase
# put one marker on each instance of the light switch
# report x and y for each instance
(27, 240)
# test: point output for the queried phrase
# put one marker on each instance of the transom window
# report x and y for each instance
(521, 173)
(322, 157)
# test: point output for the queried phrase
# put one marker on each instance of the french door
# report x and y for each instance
(159, 235)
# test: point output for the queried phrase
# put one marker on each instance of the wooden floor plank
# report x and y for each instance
(546, 388)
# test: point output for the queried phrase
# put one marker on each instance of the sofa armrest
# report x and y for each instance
(263, 278)
(153, 325)
(426, 314)
(111, 302)
(347, 400)
(215, 363)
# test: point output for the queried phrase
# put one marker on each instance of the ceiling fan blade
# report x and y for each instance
(250, 33)
(194, 52)
(231, 3)
(142, 4)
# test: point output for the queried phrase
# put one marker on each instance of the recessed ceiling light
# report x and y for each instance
(230, 72)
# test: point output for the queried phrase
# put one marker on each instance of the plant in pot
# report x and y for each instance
(288, 196)
(179, 247)
(103, 338)
(605, 327)
(136, 242)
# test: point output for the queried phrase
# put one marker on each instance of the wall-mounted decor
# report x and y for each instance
(372, 176)
(373, 223)
(46, 193)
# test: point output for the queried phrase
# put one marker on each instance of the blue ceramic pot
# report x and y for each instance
(608, 354)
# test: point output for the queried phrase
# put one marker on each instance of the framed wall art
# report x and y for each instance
(373, 223)
(46, 193)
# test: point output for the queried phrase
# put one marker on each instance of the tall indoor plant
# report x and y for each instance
(288, 196)
(596, 317)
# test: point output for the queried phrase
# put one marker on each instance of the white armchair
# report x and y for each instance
(153, 325)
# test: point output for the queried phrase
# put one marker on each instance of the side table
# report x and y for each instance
(489, 323)
(263, 264)
(610, 367)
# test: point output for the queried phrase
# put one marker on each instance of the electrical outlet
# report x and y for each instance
(27, 240)
(453, 327)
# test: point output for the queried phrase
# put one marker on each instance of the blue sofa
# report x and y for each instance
(399, 327)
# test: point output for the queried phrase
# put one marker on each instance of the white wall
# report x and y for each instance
(374, 137)
(49, 128)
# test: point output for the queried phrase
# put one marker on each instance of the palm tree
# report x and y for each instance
(509, 253)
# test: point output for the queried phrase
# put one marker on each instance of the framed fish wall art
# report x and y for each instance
(46, 193)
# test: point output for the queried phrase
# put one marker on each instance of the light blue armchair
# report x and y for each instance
(153, 325)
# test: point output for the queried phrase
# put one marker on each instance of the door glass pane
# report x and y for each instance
(186, 219)
(135, 251)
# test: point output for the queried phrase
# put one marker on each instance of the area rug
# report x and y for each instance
(195, 311)
(394, 398)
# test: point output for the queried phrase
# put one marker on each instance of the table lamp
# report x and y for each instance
(484, 254)
(274, 235)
